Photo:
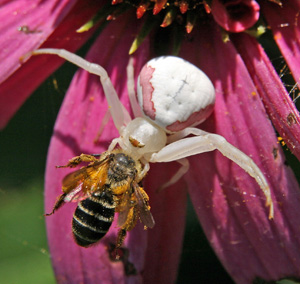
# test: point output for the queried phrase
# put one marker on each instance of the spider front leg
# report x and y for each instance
(207, 142)
(118, 112)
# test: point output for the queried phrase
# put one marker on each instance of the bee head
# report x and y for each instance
(122, 167)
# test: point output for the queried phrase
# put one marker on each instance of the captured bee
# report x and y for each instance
(108, 184)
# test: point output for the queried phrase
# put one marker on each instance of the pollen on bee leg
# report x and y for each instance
(77, 160)
(120, 239)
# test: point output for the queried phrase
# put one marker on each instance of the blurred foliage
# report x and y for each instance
(24, 257)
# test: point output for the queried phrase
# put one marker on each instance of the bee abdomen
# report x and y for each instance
(92, 219)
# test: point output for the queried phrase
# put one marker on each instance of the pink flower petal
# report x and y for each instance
(14, 44)
(229, 204)
(285, 24)
(281, 109)
(76, 128)
(164, 244)
(235, 15)
(27, 25)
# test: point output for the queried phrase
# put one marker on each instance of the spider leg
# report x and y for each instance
(118, 112)
(207, 142)
(104, 121)
(136, 109)
(145, 170)
(113, 144)
(185, 165)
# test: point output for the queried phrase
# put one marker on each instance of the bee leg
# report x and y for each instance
(128, 225)
(120, 240)
(79, 159)
(59, 202)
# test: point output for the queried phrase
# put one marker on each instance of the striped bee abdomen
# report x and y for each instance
(93, 218)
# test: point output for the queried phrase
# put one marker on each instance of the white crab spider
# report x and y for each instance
(173, 95)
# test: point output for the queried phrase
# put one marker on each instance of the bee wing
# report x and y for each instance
(144, 208)
(72, 180)
(78, 185)
(76, 195)
(124, 210)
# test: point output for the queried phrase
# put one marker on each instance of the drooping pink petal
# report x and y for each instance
(76, 128)
(285, 24)
(229, 204)
(164, 244)
(235, 15)
(281, 109)
(38, 20)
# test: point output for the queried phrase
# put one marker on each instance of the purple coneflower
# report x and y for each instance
(250, 100)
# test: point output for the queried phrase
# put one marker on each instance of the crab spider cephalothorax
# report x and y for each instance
(173, 95)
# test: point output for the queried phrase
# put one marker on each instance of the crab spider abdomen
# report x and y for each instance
(174, 93)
